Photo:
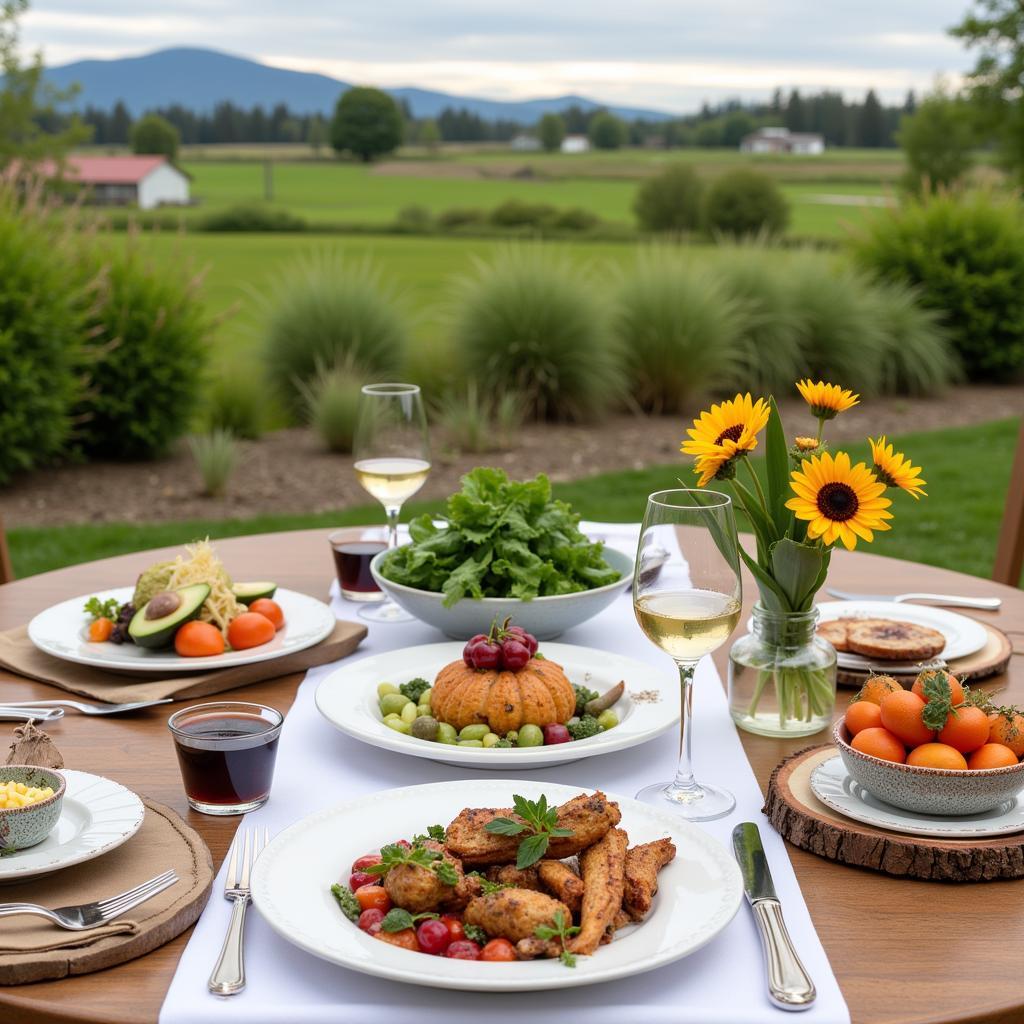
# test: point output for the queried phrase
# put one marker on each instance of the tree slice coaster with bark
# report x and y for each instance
(802, 819)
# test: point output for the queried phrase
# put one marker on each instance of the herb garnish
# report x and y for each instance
(397, 919)
(539, 820)
(475, 934)
(487, 886)
(392, 855)
(562, 932)
(938, 696)
(102, 609)
(347, 901)
(435, 832)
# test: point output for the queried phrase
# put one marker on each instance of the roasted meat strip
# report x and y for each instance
(642, 866)
(589, 816)
(514, 914)
(562, 882)
(603, 866)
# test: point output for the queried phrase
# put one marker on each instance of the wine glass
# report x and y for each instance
(392, 460)
(687, 595)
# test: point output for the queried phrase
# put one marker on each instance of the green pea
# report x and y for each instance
(399, 726)
(608, 719)
(383, 689)
(530, 736)
(393, 703)
(490, 739)
(446, 734)
(471, 743)
(474, 732)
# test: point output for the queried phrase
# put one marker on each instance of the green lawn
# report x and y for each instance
(955, 526)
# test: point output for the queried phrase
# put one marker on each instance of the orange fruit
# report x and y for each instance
(1008, 729)
(250, 629)
(861, 715)
(271, 609)
(992, 755)
(877, 687)
(936, 755)
(880, 743)
(967, 728)
(198, 640)
(901, 715)
(956, 691)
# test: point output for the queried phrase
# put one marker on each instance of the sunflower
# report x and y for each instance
(717, 465)
(837, 501)
(806, 444)
(826, 400)
(894, 469)
(729, 429)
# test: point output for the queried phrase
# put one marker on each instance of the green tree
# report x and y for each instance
(607, 131)
(155, 134)
(871, 123)
(708, 135)
(429, 135)
(937, 140)
(27, 102)
(735, 127)
(996, 29)
(551, 130)
(367, 123)
(795, 118)
(670, 200)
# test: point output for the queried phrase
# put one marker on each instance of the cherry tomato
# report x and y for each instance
(433, 936)
(373, 897)
(404, 843)
(405, 939)
(271, 609)
(369, 920)
(464, 949)
(198, 640)
(250, 629)
(455, 930)
(100, 629)
(498, 951)
(360, 878)
(366, 861)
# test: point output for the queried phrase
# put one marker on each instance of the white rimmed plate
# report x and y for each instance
(699, 892)
(347, 698)
(61, 631)
(833, 786)
(963, 635)
(97, 816)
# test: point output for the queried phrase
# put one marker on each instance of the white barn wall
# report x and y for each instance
(164, 184)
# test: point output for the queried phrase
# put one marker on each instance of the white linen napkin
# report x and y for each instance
(723, 983)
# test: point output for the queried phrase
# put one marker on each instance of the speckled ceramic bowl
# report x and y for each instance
(929, 790)
(22, 827)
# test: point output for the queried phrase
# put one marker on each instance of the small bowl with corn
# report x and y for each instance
(30, 805)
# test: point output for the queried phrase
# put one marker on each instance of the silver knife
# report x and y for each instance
(949, 600)
(789, 985)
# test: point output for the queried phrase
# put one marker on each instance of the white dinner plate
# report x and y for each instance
(62, 630)
(963, 635)
(97, 815)
(832, 785)
(698, 894)
(347, 698)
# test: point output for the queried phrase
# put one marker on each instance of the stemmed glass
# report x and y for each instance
(392, 460)
(686, 596)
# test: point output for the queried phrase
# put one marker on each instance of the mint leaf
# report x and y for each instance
(504, 827)
(397, 920)
(446, 872)
(531, 850)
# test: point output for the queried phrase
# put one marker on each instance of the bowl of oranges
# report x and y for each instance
(937, 748)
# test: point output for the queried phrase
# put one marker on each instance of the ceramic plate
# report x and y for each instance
(97, 816)
(347, 698)
(699, 892)
(963, 635)
(832, 785)
(61, 631)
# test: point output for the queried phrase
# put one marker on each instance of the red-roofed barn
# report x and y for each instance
(145, 181)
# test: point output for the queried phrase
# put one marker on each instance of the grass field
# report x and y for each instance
(955, 526)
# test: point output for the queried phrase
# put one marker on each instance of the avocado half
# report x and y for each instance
(246, 593)
(160, 632)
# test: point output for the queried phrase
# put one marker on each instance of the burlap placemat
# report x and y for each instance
(32, 949)
(19, 655)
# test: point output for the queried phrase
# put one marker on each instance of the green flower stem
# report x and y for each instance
(757, 485)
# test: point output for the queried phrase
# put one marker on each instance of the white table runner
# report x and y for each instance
(720, 984)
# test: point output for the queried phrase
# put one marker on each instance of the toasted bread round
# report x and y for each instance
(891, 640)
(835, 632)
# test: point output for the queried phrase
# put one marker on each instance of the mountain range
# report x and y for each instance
(200, 78)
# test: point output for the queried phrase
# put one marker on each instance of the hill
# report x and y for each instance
(200, 78)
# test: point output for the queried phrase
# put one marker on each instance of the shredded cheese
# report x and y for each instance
(203, 566)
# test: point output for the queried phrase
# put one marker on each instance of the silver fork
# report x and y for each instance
(86, 709)
(228, 975)
(90, 915)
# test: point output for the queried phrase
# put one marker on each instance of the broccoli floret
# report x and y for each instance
(585, 728)
(347, 901)
(414, 689)
(582, 696)
(504, 742)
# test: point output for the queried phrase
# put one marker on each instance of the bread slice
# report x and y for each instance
(891, 640)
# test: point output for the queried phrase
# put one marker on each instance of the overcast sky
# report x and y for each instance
(668, 54)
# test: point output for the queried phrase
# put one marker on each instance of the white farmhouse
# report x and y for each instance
(782, 140)
(575, 144)
(143, 181)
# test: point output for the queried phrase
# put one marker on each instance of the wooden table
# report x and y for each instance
(902, 950)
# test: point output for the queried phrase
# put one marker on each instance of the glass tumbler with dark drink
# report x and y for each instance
(226, 751)
(352, 561)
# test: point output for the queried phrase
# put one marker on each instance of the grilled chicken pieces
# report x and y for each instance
(518, 878)
(603, 866)
(590, 816)
(562, 882)
(418, 889)
(642, 866)
(514, 914)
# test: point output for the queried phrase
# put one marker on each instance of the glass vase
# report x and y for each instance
(782, 675)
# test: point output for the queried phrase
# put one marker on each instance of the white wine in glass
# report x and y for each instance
(689, 608)
(392, 460)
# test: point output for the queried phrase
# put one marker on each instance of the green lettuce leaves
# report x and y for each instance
(503, 538)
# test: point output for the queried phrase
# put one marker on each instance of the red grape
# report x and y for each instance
(358, 878)
(515, 654)
(369, 920)
(467, 651)
(487, 655)
(433, 936)
(556, 734)
(403, 843)
(463, 950)
(527, 639)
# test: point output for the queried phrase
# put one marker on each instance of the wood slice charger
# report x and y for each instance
(806, 822)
